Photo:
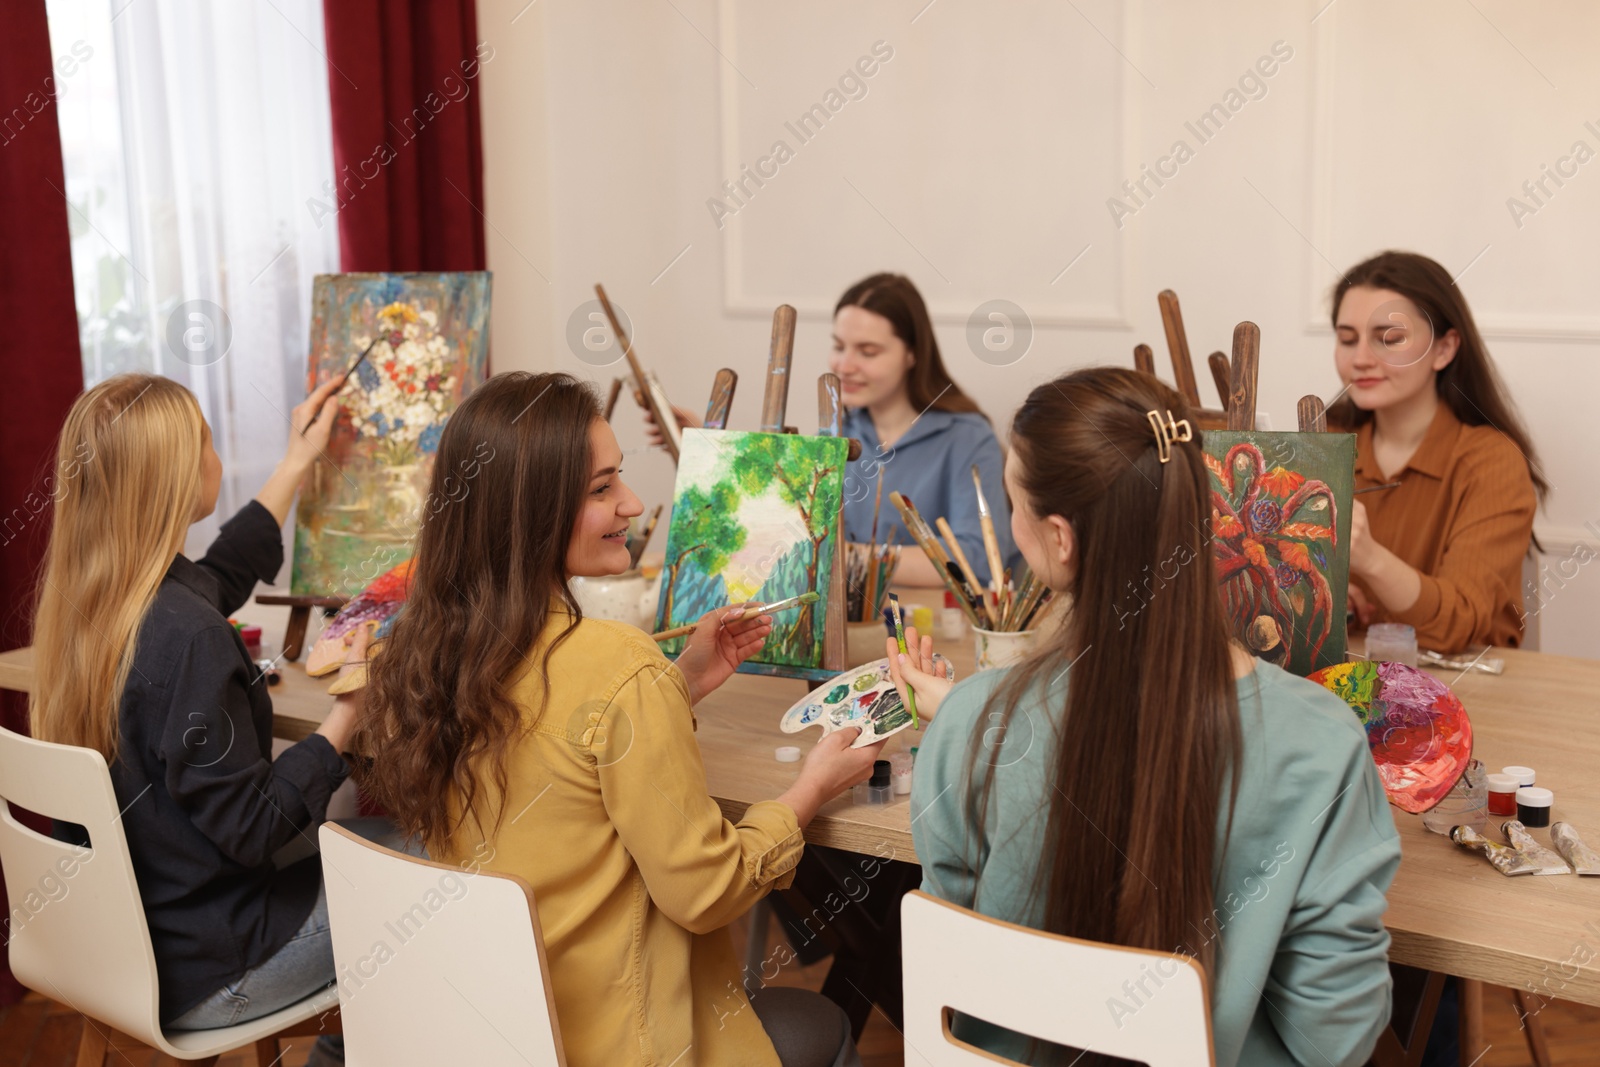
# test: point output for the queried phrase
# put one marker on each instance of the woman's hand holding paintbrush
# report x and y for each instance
(918, 671)
(310, 424)
(721, 640)
(724, 638)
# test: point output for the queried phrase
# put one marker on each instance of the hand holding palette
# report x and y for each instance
(864, 697)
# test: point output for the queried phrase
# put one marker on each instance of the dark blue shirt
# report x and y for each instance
(931, 465)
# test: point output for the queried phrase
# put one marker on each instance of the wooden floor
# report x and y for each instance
(41, 1033)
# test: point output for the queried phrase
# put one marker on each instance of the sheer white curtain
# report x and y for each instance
(194, 134)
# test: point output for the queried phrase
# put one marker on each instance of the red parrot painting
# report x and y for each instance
(1282, 561)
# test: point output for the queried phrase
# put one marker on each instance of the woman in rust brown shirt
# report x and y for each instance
(1443, 549)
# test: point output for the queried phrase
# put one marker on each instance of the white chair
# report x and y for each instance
(1057, 988)
(436, 964)
(78, 932)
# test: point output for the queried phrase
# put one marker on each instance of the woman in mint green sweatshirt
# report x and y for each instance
(1141, 780)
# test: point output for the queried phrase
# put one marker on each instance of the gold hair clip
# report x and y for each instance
(1168, 432)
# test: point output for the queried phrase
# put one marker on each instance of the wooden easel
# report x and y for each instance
(1235, 379)
(1182, 367)
(294, 636)
(830, 423)
(647, 390)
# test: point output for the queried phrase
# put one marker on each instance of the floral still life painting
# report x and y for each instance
(1280, 522)
(755, 517)
(426, 343)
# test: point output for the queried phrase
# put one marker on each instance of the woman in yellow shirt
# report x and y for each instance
(503, 724)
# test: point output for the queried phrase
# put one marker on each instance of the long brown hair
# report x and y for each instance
(1469, 384)
(126, 484)
(893, 296)
(1147, 732)
(507, 487)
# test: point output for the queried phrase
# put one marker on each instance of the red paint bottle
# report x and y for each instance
(1503, 794)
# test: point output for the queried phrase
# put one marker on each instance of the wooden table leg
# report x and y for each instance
(1538, 1047)
(1470, 992)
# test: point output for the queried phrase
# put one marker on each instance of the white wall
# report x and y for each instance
(981, 159)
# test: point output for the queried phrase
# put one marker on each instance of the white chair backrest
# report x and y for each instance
(1146, 1006)
(435, 964)
(76, 930)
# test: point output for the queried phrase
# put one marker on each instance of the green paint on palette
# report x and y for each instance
(865, 682)
(837, 693)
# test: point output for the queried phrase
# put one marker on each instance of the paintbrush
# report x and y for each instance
(1375, 488)
(872, 542)
(991, 546)
(968, 575)
(1040, 599)
(970, 601)
(750, 609)
(929, 543)
(900, 640)
(921, 533)
(344, 380)
(636, 546)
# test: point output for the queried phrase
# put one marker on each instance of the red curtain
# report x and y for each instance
(39, 361)
(407, 151)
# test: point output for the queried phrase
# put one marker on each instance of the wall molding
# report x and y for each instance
(740, 303)
(1494, 326)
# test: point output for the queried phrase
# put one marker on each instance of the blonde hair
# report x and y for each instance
(126, 485)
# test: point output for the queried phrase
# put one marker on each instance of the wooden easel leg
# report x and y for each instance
(295, 635)
(267, 1052)
(1538, 1047)
(92, 1046)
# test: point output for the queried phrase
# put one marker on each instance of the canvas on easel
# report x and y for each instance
(1280, 520)
(756, 517)
(428, 340)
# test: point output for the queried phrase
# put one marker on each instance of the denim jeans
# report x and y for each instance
(296, 971)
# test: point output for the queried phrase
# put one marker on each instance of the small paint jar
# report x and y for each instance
(877, 789)
(1503, 794)
(900, 772)
(1533, 806)
(1523, 775)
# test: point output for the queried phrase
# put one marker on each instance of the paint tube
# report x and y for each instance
(1583, 859)
(1547, 861)
(1506, 860)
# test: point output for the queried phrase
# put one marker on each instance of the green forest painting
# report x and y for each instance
(754, 518)
(1280, 520)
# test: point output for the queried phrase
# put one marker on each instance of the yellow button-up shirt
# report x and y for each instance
(635, 872)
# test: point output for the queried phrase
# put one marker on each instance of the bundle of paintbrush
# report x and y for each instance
(869, 570)
(639, 537)
(1006, 606)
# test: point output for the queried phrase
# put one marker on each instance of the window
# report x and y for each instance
(194, 134)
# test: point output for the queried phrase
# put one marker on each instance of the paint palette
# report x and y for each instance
(864, 697)
(1418, 731)
(379, 602)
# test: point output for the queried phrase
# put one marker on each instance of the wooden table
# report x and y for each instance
(1449, 911)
